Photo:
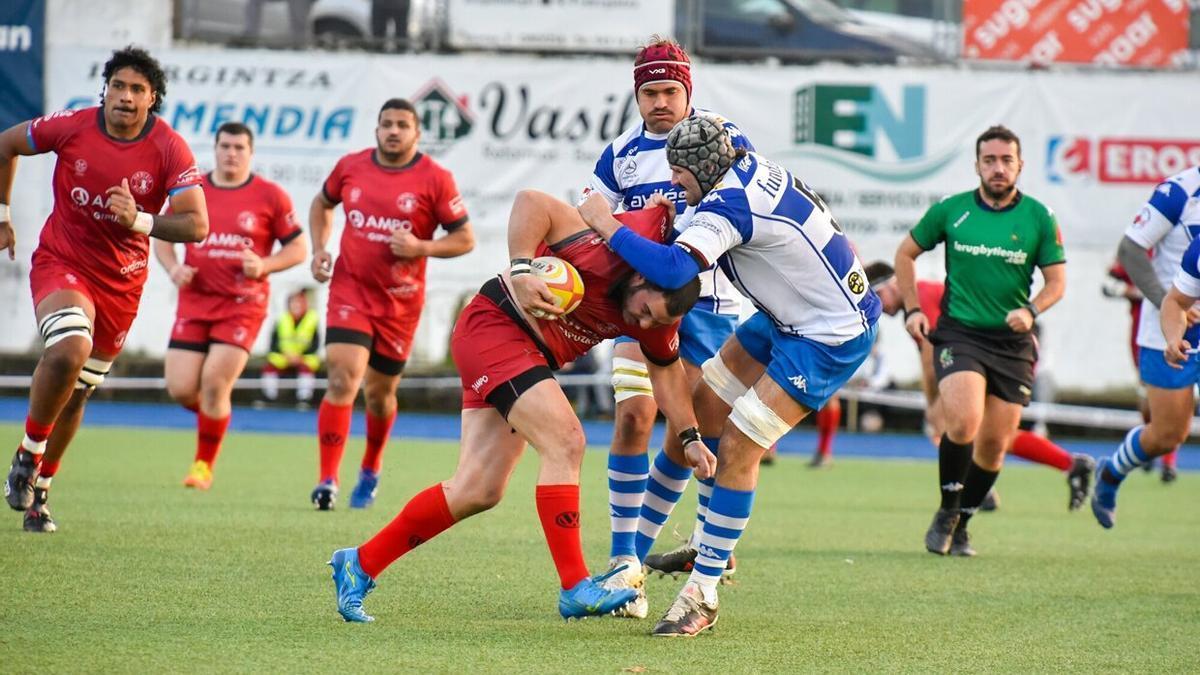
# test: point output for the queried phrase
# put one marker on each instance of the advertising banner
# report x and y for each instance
(1146, 33)
(22, 49)
(880, 144)
(554, 25)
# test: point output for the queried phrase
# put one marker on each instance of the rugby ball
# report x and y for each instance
(564, 283)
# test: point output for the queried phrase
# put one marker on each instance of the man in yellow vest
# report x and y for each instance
(294, 343)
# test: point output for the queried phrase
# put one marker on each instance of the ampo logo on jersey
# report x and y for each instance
(857, 127)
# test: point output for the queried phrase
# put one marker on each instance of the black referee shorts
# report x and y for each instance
(1006, 360)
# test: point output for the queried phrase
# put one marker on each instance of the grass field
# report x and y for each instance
(146, 576)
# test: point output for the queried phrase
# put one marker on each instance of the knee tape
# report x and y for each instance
(629, 379)
(93, 373)
(64, 323)
(755, 419)
(722, 381)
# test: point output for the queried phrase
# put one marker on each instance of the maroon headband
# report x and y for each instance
(661, 62)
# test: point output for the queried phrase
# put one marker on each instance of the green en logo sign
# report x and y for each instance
(859, 127)
(855, 117)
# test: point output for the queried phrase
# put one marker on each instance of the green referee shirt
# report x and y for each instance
(990, 254)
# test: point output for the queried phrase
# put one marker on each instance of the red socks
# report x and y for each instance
(423, 518)
(48, 469)
(210, 431)
(35, 437)
(558, 509)
(378, 430)
(1169, 458)
(333, 426)
(1030, 446)
(827, 424)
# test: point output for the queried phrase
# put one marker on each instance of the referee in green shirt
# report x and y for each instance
(984, 350)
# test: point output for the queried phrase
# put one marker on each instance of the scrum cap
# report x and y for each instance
(702, 146)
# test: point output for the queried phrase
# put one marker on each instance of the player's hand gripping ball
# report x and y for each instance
(564, 282)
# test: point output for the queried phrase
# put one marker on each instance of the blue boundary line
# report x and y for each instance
(446, 427)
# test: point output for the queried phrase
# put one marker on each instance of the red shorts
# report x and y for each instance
(389, 338)
(196, 334)
(114, 311)
(490, 349)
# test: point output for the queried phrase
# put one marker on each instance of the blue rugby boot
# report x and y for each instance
(351, 584)
(590, 598)
(324, 496)
(364, 493)
(1104, 499)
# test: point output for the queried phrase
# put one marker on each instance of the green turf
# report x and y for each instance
(146, 576)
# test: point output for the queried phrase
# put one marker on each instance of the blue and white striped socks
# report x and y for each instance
(667, 482)
(1129, 455)
(728, 513)
(627, 475)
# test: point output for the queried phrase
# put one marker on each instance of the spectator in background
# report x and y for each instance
(384, 12)
(297, 21)
(295, 340)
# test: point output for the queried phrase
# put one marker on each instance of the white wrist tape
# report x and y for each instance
(144, 222)
(5, 214)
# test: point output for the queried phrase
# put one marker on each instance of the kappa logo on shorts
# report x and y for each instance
(567, 519)
(239, 334)
(946, 357)
(141, 182)
(799, 382)
(120, 339)
(855, 282)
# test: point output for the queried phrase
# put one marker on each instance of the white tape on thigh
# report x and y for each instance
(757, 420)
(93, 373)
(629, 379)
(64, 323)
(721, 380)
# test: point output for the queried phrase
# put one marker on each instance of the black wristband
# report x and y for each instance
(689, 435)
(1033, 310)
(909, 312)
(520, 261)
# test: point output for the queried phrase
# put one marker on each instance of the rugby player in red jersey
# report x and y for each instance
(505, 359)
(395, 198)
(223, 289)
(1027, 445)
(117, 164)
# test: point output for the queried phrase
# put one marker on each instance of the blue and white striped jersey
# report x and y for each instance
(633, 167)
(1165, 225)
(780, 245)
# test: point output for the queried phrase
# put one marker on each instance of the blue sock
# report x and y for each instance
(704, 490)
(667, 482)
(1129, 455)
(626, 484)
(728, 514)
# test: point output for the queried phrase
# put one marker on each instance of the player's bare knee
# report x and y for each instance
(65, 359)
(634, 421)
(342, 385)
(469, 495)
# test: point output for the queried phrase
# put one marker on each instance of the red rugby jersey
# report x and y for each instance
(81, 230)
(598, 317)
(929, 297)
(253, 215)
(377, 200)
